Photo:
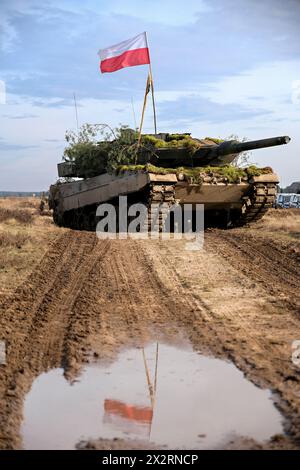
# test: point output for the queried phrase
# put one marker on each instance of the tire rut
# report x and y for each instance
(273, 268)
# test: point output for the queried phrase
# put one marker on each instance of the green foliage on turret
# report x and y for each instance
(96, 149)
(93, 156)
(219, 174)
(174, 141)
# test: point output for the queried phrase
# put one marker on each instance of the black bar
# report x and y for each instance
(140, 458)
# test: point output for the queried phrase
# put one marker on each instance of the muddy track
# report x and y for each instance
(273, 266)
(88, 298)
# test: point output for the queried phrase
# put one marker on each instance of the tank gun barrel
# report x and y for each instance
(227, 151)
(236, 147)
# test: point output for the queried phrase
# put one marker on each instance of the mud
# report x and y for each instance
(88, 300)
(190, 401)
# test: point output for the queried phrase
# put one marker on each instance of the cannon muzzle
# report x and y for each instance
(227, 151)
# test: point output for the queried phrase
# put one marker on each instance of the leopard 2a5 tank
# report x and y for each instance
(171, 169)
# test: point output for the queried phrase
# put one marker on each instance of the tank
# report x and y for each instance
(170, 175)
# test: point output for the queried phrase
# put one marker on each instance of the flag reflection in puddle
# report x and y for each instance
(132, 418)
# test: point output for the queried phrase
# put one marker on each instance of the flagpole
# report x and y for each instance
(152, 87)
(143, 112)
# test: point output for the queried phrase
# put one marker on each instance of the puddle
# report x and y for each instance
(200, 402)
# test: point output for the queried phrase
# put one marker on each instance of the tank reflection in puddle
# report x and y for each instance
(174, 397)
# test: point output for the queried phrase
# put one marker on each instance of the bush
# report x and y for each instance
(13, 240)
(20, 215)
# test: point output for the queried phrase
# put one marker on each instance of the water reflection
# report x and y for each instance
(168, 395)
(128, 416)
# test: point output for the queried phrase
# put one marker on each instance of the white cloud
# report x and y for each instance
(2, 92)
(270, 87)
(169, 12)
(8, 32)
(271, 83)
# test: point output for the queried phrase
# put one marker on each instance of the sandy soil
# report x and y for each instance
(85, 299)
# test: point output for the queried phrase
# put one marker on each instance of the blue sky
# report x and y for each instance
(220, 67)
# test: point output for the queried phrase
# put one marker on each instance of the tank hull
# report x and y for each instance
(74, 204)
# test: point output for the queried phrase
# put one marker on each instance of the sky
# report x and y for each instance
(220, 67)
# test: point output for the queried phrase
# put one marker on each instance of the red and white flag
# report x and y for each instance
(128, 53)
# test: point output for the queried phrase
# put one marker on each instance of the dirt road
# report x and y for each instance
(86, 299)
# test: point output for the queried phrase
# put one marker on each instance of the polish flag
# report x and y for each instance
(128, 53)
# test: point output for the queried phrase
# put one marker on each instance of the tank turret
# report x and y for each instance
(204, 152)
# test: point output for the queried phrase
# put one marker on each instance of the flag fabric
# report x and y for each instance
(128, 53)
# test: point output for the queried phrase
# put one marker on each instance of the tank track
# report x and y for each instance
(256, 204)
(161, 198)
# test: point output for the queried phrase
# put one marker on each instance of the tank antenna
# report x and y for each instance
(76, 113)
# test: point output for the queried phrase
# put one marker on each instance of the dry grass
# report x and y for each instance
(281, 227)
(20, 215)
(20, 202)
(16, 240)
(24, 238)
(29, 203)
(281, 220)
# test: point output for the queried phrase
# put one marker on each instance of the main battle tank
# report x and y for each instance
(168, 174)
